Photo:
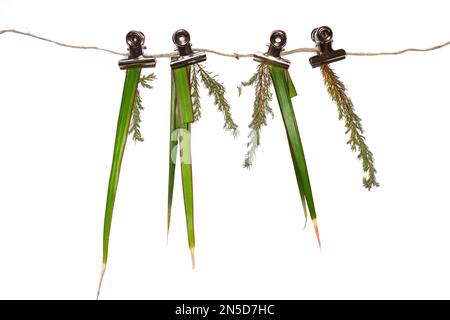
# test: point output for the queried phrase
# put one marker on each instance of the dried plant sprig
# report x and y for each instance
(262, 82)
(195, 93)
(135, 123)
(217, 90)
(338, 93)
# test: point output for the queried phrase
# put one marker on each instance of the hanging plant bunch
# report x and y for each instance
(262, 82)
(273, 70)
(128, 123)
(187, 73)
(215, 89)
(323, 37)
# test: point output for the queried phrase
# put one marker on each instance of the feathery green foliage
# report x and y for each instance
(135, 124)
(195, 93)
(145, 81)
(262, 81)
(338, 93)
(217, 91)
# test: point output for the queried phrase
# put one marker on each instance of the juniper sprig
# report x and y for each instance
(338, 93)
(262, 82)
(135, 123)
(215, 89)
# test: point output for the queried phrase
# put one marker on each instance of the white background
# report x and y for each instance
(58, 115)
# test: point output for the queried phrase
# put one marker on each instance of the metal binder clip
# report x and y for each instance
(278, 40)
(323, 37)
(135, 41)
(181, 38)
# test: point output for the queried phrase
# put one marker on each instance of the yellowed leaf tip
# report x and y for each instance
(317, 233)
(101, 279)
(305, 212)
(168, 226)
(192, 257)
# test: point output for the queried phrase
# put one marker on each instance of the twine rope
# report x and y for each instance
(223, 54)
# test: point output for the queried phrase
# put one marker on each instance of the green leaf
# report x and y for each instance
(183, 96)
(184, 108)
(281, 80)
(186, 176)
(173, 146)
(123, 123)
(292, 90)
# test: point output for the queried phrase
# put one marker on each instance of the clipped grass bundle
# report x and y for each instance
(130, 108)
(182, 116)
(323, 38)
(273, 70)
(185, 109)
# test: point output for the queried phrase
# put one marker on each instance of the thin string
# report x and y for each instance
(223, 54)
(61, 43)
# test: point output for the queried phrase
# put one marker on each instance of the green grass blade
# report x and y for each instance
(188, 192)
(281, 85)
(172, 150)
(123, 124)
(293, 93)
(292, 90)
(184, 107)
(182, 82)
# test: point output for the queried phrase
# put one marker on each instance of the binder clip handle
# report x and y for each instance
(187, 56)
(182, 39)
(323, 38)
(278, 40)
(135, 41)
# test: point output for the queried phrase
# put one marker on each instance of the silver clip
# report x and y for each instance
(278, 40)
(323, 38)
(136, 59)
(186, 57)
